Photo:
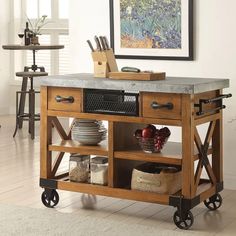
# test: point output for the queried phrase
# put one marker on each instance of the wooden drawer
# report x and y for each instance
(158, 105)
(64, 99)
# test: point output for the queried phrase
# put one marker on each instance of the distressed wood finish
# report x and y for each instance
(45, 137)
(64, 106)
(111, 164)
(114, 192)
(187, 146)
(203, 151)
(217, 145)
(104, 62)
(122, 148)
(162, 98)
(59, 128)
(126, 119)
(75, 147)
(206, 107)
(202, 120)
(137, 76)
(64, 136)
(170, 155)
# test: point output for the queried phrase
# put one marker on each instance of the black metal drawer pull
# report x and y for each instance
(212, 100)
(69, 99)
(156, 105)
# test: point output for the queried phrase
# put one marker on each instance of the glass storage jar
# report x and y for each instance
(99, 170)
(79, 168)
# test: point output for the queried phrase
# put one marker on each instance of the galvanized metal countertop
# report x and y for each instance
(169, 85)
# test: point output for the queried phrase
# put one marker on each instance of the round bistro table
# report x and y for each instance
(34, 67)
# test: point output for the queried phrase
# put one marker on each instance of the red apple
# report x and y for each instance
(147, 133)
(152, 127)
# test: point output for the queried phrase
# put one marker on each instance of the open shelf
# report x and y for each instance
(72, 146)
(205, 190)
(170, 154)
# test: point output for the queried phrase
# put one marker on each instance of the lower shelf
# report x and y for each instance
(205, 190)
(114, 192)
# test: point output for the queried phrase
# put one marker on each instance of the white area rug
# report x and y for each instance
(23, 221)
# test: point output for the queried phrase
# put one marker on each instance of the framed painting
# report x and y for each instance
(152, 29)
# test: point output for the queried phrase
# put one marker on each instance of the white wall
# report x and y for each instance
(215, 55)
(4, 57)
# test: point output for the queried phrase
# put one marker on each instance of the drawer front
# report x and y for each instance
(64, 99)
(161, 105)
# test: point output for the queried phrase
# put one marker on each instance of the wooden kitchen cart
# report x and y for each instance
(193, 102)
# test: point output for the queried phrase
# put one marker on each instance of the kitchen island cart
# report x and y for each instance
(187, 103)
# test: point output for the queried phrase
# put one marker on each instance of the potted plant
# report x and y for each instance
(36, 27)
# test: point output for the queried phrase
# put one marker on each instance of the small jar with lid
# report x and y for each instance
(99, 170)
(79, 168)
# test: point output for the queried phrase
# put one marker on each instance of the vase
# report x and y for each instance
(35, 40)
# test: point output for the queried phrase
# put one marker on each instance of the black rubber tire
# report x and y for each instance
(185, 223)
(50, 198)
(214, 202)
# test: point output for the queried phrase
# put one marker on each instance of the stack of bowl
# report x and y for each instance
(88, 132)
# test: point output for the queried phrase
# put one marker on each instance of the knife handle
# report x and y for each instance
(90, 45)
(106, 42)
(102, 43)
(99, 48)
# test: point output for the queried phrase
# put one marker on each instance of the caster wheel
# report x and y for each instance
(184, 222)
(88, 201)
(213, 202)
(50, 198)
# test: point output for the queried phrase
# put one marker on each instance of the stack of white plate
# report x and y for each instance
(88, 132)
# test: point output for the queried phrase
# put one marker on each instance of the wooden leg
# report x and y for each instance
(217, 155)
(111, 176)
(187, 146)
(45, 138)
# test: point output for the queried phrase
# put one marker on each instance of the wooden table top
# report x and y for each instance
(32, 47)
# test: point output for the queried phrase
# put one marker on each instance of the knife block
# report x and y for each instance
(104, 62)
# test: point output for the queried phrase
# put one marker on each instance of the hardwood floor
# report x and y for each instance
(19, 168)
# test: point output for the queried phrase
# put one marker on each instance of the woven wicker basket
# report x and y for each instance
(166, 182)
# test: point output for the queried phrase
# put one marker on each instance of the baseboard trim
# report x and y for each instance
(230, 182)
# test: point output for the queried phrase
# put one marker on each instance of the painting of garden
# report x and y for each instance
(150, 24)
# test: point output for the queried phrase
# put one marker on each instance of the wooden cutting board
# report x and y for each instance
(137, 76)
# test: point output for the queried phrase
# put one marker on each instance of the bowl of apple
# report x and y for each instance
(151, 139)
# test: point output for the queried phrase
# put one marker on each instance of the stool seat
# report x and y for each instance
(31, 74)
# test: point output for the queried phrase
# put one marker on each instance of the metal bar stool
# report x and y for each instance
(30, 115)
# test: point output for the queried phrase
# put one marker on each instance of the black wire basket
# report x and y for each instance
(111, 102)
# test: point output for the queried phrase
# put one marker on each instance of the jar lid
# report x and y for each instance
(78, 157)
(99, 160)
